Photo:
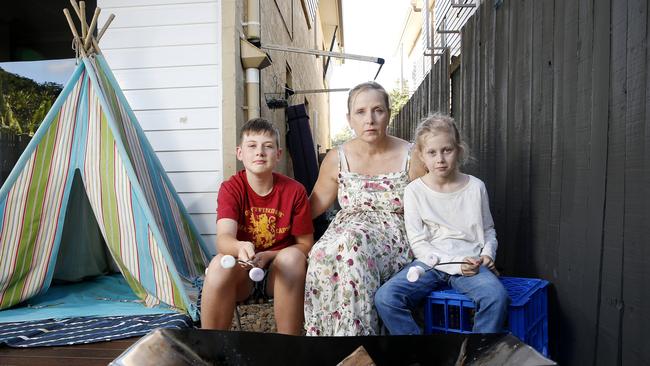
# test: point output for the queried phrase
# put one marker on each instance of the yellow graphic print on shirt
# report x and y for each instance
(262, 226)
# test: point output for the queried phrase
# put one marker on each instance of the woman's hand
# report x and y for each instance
(488, 262)
(263, 259)
(246, 251)
(471, 267)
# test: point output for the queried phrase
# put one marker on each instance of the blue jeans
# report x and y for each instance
(396, 299)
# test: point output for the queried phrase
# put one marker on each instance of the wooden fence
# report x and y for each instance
(555, 98)
(432, 94)
(11, 147)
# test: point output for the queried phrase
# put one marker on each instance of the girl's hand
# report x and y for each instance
(246, 251)
(489, 263)
(263, 259)
(471, 267)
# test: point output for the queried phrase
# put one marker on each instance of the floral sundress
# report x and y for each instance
(362, 248)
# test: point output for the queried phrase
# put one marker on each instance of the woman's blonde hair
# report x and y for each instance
(365, 86)
(442, 123)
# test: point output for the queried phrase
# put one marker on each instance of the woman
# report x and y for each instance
(366, 242)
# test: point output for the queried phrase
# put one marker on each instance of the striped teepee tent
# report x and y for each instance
(91, 147)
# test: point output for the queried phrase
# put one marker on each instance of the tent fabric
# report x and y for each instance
(97, 259)
(80, 330)
(101, 296)
(91, 130)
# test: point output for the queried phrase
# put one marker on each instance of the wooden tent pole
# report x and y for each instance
(74, 32)
(96, 46)
(93, 23)
(84, 25)
(76, 8)
(87, 39)
(108, 22)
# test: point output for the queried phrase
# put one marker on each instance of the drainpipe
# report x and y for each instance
(253, 28)
(253, 59)
(252, 93)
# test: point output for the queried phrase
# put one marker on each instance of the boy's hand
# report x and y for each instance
(489, 263)
(263, 259)
(471, 267)
(246, 251)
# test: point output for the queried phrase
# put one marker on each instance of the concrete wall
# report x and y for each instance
(284, 23)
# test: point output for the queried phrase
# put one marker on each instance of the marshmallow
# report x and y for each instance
(433, 260)
(414, 273)
(228, 261)
(256, 274)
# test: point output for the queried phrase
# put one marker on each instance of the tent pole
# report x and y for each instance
(75, 6)
(93, 24)
(82, 18)
(74, 32)
(108, 22)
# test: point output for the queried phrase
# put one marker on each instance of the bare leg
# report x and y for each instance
(287, 285)
(221, 291)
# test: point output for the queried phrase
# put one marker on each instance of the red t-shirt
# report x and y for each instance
(270, 222)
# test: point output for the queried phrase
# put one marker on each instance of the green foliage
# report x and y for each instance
(11, 122)
(3, 107)
(398, 98)
(39, 116)
(24, 102)
(342, 136)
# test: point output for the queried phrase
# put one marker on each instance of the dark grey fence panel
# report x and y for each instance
(635, 289)
(598, 155)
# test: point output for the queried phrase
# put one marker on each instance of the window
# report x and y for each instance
(309, 8)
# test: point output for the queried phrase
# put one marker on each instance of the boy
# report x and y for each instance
(262, 217)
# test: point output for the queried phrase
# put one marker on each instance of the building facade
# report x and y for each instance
(184, 68)
(427, 32)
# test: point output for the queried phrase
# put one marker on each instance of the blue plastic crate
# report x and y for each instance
(448, 311)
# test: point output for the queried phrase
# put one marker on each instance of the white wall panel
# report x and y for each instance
(171, 77)
(166, 14)
(159, 36)
(179, 119)
(208, 182)
(188, 161)
(109, 4)
(200, 203)
(173, 98)
(206, 224)
(164, 56)
(184, 140)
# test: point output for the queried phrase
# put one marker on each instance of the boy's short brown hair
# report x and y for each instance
(260, 125)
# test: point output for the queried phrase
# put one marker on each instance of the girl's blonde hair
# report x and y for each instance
(442, 123)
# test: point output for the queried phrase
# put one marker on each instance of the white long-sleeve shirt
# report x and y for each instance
(451, 226)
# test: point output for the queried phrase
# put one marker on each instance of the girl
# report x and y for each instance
(447, 219)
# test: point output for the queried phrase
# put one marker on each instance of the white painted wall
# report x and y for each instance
(166, 57)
